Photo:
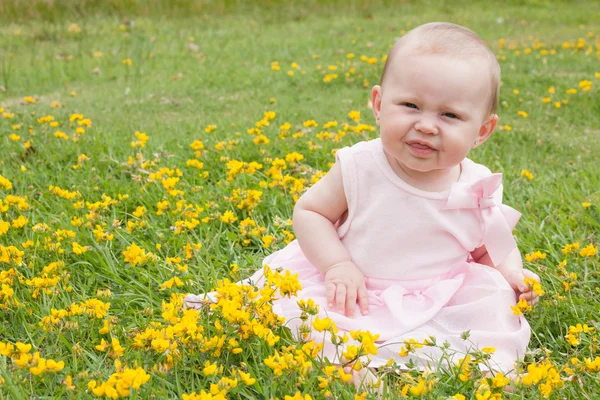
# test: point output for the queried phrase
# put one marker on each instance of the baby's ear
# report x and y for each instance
(487, 128)
(376, 102)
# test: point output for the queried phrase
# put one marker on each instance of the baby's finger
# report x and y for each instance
(528, 296)
(330, 294)
(533, 302)
(340, 297)
(530, 274)
(524, 289)
(363, 300)
(350, 301)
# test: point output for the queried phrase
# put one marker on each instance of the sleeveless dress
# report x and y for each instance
(413, 246)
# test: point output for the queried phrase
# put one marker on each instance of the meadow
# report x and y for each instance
(154, 149)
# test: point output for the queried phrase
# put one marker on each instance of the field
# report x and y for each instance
(154, 149)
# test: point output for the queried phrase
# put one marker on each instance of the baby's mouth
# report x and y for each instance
(419, 149)
(421, 146)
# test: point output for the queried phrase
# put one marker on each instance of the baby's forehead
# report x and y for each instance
(406, 57)
(465, 50)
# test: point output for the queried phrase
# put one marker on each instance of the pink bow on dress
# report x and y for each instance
(498, 219)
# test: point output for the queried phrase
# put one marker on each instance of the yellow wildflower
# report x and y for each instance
(536, 255)
(589, 251)
(228, 217)
(521, 307)
(526, 173)
(570, 247)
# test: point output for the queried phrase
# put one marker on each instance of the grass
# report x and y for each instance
(213, 67)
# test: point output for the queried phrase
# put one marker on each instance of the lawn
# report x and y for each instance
(154, 149)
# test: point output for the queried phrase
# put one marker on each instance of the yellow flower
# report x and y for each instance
(267, 240)
(570, 247)
(22, 360)
(261, 139)
(585, 85)
(105, 329)
(74, 28)
(354, 115)
(330, 77)
(175, 281)
(5, 183)
(526, 173)
(589, 251)
(102, 346)
(142, 139)
(135, 255)
(500, 380)
(521, 307)
(127, 62)
(4, 225)
(298, 396)
(20, 222)
(61, 135)
(321, 324)
(210, 369)
(228, 217)
(69, 383)
(534, 285)
(78, 249)
(592, 366)
(293, 158)
(522, 114)
(210, 128)
(420, 389)
(586, 204)
(536, 255)
(572, 339)
(116, 347)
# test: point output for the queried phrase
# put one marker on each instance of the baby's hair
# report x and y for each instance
(450, 39)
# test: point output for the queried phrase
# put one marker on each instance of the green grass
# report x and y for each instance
(213, 66)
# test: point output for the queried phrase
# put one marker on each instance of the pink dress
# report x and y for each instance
(414, 247)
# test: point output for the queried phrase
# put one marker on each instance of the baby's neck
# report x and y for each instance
(431, 181)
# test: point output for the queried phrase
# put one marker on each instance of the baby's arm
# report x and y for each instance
(512, 270)
(314, 216)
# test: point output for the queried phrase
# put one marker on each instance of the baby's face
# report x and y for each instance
(431, 110)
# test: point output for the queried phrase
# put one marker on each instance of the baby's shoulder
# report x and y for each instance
(475, 171)
(360, 153)
(360, 147)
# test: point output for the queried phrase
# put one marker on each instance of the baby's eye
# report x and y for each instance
(410, 105)
(451, 115)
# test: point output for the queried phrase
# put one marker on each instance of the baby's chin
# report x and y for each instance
(430, 166)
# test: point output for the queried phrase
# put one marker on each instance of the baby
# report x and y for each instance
(405, 236)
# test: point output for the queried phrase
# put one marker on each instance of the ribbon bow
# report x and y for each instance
(498, 219)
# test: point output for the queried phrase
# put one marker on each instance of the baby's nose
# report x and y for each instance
(427, 126)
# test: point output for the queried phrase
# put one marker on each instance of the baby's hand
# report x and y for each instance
(345, 287)
(527, 291)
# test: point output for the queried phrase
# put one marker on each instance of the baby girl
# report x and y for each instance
(405, 236)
